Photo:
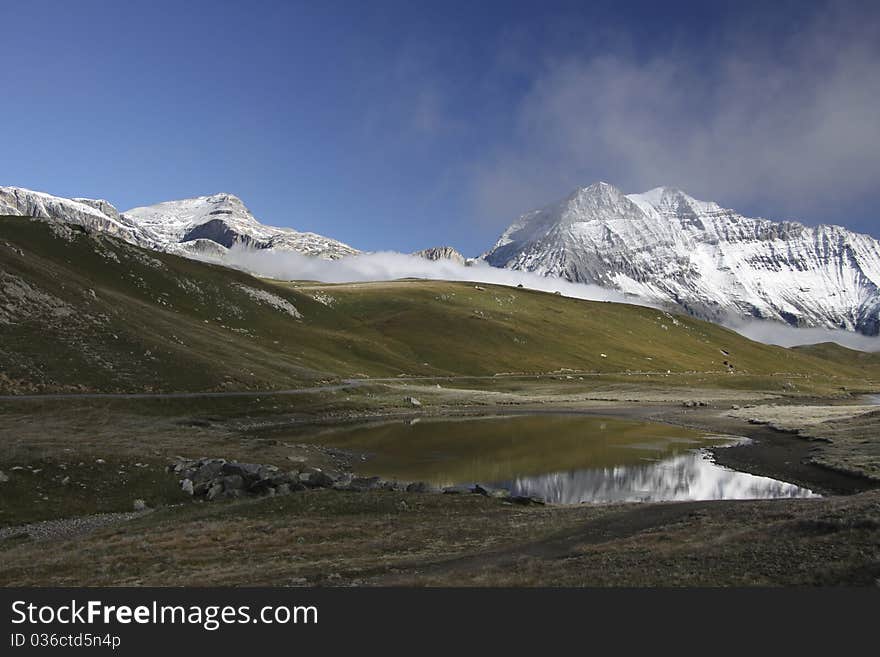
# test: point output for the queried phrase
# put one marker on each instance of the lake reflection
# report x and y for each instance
(565, 459)
(691, 476)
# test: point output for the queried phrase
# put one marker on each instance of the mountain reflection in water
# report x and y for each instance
(565, 459)
(689, 476)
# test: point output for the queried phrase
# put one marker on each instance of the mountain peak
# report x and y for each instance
(180, 227)
(441, 253)
(670, 248)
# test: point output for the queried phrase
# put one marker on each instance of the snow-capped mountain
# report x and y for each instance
(670, 248)
(203, 226)
(94, 214)
(442, 253)
(224, 220)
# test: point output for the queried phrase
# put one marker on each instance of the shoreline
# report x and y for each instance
(769, 452)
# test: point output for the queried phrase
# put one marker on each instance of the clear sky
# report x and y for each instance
(402, 125)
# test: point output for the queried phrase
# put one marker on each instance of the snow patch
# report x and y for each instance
(270, 299)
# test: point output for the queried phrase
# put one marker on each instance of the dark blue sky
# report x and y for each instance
(403, 125)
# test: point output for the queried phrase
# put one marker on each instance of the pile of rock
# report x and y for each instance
(213, 479)
(219, 478)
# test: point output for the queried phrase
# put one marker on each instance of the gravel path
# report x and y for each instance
(68, 527)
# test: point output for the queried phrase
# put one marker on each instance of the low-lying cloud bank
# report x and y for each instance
(387, 266)
(789, 336)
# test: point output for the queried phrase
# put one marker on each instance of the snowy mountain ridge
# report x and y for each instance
(205, 225)
(670, 248)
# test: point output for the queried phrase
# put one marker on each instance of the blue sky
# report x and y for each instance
(402, 125)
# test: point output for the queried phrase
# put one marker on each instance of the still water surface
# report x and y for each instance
(565, 459)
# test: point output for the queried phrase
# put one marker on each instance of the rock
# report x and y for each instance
(100, 461)
(3, 477)
(244, 470)
(479, 489)
(283, 489)
(412, 401)
(140, 505)
(363, 484)
(525, 500)
(65, 481)
(316, 478)
(232, 482)
(208, 471)
(187, 486)
(215, 491)
(456, 490)
(735, 407)
(402, 506)
(421, 487)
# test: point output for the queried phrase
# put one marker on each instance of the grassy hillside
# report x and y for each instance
(866, 362)
(82, 311)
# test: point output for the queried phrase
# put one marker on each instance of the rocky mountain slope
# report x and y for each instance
(207, 225)
(442, 253)
(712, 262)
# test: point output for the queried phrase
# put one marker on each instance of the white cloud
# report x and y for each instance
(789, 336)
(786, 123)
(389, 265)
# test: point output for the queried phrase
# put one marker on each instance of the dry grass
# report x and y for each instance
(332, 538)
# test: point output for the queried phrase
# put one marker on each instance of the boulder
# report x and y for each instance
(243, 470)
(316, 478)
(208, 471)
(487, 491)
(421, 487)
(525, 500)
(215, 491)
(233, 482)
(362, 484)
(187, 486)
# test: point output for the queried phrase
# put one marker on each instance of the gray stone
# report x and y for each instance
(421, 487)
(3, 477)
(283, 489)
(525, 500)
(140, 505)
(412, 401)
(363, 484)
(244, 470)
(214, 491)
(208, 471)
(233, 482)
(487, 491)
(187, 486)
(316, 478)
